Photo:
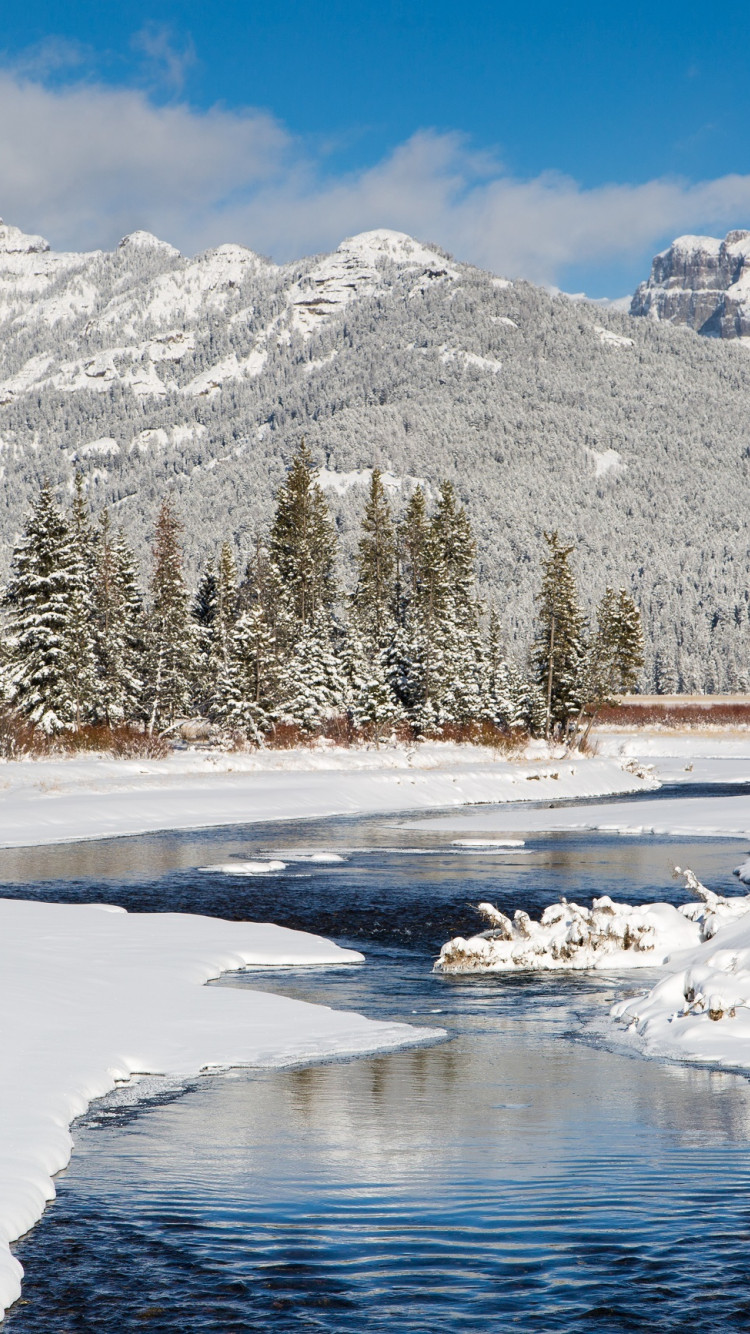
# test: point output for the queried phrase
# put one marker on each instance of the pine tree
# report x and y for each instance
(413, 543)
(372, 705)
(117, 609)
(215, 609)
(80, 637)
(614, 658)
(312, 687)
(247, 683)
(169, 631)
(374, 599)
(455, 549)
(457, 676)
(558, 651)
(51, 668)
(302, 546)
(628, 642)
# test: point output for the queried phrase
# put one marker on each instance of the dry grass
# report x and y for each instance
(20, 738)
(722, 713)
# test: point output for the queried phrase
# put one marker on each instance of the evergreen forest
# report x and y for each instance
(279, 651)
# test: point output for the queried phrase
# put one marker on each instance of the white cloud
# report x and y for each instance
(86, 163)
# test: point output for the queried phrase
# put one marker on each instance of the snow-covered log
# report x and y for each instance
(606, 935)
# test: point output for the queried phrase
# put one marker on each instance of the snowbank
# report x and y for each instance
(701, 1010)
(689, 755)
(607, 935)
(743, 872)
(682, 817)
(93, 995)
(51, 801)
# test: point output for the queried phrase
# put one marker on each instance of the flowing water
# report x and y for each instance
(522, 1174)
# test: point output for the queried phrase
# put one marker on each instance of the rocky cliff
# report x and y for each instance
(701, 282)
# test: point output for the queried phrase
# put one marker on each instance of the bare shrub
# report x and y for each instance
(723, 713)
(123, 741)
(19, 737)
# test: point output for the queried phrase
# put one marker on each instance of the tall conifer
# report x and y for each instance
(117, 609)
(559, 650)
(169, 631)
(302, 546)
(51, 675)
(374, 598)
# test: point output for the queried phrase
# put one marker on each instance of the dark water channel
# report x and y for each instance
(521, 1175)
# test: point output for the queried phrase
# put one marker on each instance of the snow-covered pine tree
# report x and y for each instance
(413, 539)
(614, 657)
(170, 659)
(118, 626)
(559, 649)
(247, 681)
(628, 642)
(372, 705)
(302, 546)
(215, 609)
(457, 676)
(312, 686)
(410, 657)
(80, 633)
(374, 599)
(50, 677)
(503, 698)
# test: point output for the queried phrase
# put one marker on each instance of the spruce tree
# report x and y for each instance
(80, 636)
(374, 599)
(413, 559)
(302, 546)
(50, 663)
(559, 650)
(458, 686)
(371, 703)
(247, 683)
(614, 657)
(117, 608)
(170, 661)
(312, 686)
(214, 610)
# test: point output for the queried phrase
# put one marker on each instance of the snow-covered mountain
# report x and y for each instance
(152, 371)
(702, 282)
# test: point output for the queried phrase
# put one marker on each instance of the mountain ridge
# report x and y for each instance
(151, 371)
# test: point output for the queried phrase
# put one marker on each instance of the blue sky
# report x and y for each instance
(561, 144)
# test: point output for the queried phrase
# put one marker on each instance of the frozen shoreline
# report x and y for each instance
(53, 801)
(98, 995)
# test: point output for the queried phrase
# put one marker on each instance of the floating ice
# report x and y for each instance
(489, 842)
(244, 868)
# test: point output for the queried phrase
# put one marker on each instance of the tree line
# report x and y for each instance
(278, 649)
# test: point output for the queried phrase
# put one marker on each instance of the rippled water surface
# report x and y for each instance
(512, 1176)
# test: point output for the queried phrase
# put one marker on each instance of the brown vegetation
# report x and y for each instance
(654, 713)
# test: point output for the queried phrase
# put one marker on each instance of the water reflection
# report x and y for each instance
(523, 1174)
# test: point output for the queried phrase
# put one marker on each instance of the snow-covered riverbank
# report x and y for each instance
(50, 801)
(98, 995)
(93, 995)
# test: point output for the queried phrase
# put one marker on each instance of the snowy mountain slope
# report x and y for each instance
(701, 282)
(151, 371)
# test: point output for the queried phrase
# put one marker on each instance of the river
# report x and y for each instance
(523, 1173)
